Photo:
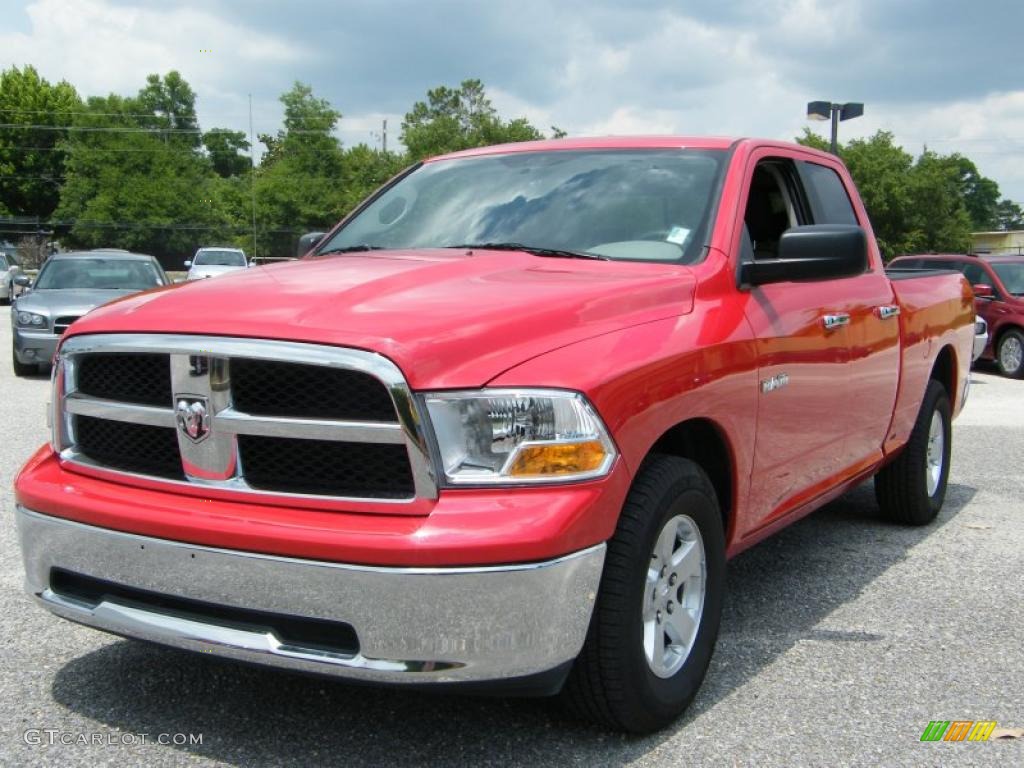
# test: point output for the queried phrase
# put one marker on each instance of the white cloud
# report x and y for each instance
(100, 47)
(588, 66)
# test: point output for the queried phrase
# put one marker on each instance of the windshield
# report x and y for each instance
(98, 274)
(1012, 276)
(646, 205)
(220, 259)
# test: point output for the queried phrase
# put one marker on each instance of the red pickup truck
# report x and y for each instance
(503, 427)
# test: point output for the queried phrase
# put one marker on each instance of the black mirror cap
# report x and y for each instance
(308, 242)
(812, 252)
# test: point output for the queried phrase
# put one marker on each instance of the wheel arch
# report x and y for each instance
(944, 371)
(705, 443)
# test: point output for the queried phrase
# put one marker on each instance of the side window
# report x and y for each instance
(829, 198)
(975, 273)
(772, 207)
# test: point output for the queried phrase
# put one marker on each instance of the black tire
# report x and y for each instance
(901, 487)
(611, 682)
(10, 295)
(1010, 337)
(22, 369)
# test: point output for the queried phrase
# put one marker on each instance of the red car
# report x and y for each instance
(998, 283)
(503, 427)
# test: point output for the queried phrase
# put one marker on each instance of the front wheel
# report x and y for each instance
(911, 489)
(657, 614)
(1010, 354)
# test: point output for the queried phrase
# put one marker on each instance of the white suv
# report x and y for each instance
(210, 262)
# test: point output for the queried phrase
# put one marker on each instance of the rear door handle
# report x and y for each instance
(887, 311)
(831, 322)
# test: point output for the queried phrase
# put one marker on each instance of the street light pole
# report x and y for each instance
(825, 110)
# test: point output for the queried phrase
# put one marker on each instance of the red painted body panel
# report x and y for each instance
(446, 318)
(464, 527)
(652, 345)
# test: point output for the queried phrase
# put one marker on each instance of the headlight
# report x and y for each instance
(31, 320)
(518, 436)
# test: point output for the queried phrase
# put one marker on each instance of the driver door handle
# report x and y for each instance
(831, 322)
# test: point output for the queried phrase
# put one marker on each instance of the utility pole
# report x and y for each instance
(252, 176)
(384, 136)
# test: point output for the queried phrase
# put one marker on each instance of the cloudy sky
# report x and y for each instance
(942, 73)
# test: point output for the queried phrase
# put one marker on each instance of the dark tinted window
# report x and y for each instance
(831, 203)
(975, 273)
(949, 266)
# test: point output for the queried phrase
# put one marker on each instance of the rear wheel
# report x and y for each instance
(656, 619)
(1010, 354)
(912, 488)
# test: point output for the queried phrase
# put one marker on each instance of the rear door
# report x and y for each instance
(873, 333)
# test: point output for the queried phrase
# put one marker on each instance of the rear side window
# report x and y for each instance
(828, 196)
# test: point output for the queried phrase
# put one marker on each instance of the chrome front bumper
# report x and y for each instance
(413, 625)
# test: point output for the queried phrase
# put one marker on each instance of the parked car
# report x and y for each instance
(998, 282)
(9, 269)
(210, 262)
(68, 286)
(980, 337)
(504, 427)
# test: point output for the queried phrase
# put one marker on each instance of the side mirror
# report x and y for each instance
(982, 291)
(188, 263)
(23, 280)
(812, 252)
(308, 242)
(252, 262)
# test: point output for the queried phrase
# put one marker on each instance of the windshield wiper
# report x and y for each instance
(351, 249)
(535, 250)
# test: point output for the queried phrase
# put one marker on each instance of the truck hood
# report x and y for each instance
(448, 318)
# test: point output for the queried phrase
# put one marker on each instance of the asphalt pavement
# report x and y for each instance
(843, 636)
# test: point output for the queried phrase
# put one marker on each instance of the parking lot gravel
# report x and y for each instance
(843, 636)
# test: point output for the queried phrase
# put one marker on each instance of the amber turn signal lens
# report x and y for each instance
(547, 460)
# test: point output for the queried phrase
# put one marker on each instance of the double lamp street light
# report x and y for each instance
(825, 110)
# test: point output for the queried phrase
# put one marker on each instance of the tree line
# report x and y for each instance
(138, 172)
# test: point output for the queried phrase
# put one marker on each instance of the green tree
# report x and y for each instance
(227, 151)
(31, 158)
(980, 194)
(927, 204)
(937, 214)
(1009, 215)
(300, 182)
(172, 102)
(453, 119)
(134, 187)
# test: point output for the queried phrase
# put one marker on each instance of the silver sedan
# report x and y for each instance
(68, 286)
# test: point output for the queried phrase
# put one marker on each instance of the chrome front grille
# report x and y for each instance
(245, 416)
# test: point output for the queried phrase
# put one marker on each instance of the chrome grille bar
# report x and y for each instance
(83, 405)
(200, 369)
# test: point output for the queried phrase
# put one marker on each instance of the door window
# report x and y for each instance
(829, 198)
(773, 206)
